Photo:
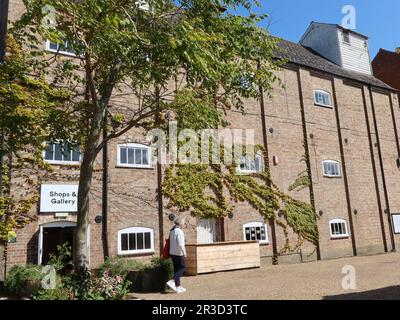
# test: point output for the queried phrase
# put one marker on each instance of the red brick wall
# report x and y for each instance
(386, 67)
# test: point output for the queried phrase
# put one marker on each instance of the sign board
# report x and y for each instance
(58, 198)
(396, 223)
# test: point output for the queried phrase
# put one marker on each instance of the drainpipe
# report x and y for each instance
(105, 193)
(378, 196)
(385, 192)
(307, 150)
(266, 163)
(345, 179)
(159, 183)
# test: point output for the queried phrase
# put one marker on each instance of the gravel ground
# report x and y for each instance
(377, 277)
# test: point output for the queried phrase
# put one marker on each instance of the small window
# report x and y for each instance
(65, 48)
(338, 228)
(134, 155)
(331, 168)
(255, 231)
(249, 165)
(135, 240)
(322, 98)
(346, 37)
(61, 153)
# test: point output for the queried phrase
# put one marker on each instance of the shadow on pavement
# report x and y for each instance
(388, 293)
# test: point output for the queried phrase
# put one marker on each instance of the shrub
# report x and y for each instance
(62, 260)
(80, 283)
(118, 266)
(110, 287)
(24, 280)
(61, 293)
(84, 286)
(154, 276)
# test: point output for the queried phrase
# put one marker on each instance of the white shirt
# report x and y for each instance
(177, 242)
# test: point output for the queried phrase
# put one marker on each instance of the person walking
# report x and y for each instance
(177, 252)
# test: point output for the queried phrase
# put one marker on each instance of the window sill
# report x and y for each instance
(340, 237)
(133, 167)
(63, 53)
(323, 105)
(62, 163)
(332, 177)
(136, 254)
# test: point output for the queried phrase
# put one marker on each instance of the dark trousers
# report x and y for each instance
(179, 268)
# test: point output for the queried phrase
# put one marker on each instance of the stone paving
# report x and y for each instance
(377, 277)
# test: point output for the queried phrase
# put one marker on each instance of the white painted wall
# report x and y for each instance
(323, 39)
(355, 56)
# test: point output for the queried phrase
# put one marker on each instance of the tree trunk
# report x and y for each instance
(81, 254)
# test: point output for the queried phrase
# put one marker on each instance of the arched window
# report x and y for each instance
(322, 98)
(135, 240)
(255, 231)
(331, 168)
(338, 228)
(134, 155)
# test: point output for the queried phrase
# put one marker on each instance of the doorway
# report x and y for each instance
(206, 231)
(51, 236)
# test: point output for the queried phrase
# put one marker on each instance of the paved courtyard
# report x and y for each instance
(377, 277)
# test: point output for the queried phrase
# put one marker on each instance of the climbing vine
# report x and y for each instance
(211, 191)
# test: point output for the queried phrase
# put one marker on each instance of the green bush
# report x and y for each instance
(62, 260)
(55, 294)
(154, 276)
(118, 266)
(24, 280)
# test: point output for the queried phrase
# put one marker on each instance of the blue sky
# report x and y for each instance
(377, 19)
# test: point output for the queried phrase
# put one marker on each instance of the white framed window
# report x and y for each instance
(346, 37)
(256, 231)
(331, 168)
(61, 48)
(338, 228)
(135, 240)
(61, 153)
(250, 165)
(322, 98)
(134, 155)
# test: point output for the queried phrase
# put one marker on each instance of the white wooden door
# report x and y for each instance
(206, 231)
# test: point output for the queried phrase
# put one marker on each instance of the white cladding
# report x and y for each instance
(355, 55)
(328, 41)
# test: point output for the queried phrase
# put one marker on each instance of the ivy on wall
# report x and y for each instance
(211, 191)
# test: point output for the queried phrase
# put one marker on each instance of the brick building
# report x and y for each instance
(386, 67)
(331, 107)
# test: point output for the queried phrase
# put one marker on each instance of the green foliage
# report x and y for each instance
(24, 280)
(27, 106)
(153, 276)
(84, 286)
(211, 191)
(60, 293)
(119, 266)
(62, 259)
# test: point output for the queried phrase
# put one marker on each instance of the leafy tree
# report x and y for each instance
(27, 106)
(177, 53)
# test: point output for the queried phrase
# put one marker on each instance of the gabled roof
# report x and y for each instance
(335, 25)
(306, 57)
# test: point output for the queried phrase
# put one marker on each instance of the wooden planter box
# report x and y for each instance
(222, 256)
